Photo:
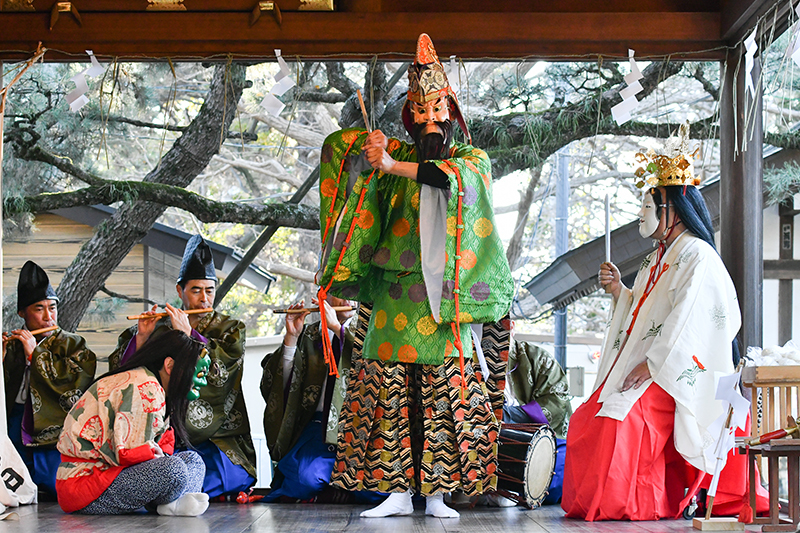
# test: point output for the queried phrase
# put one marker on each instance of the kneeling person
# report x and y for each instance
(117, 445)
(216, 422)
(303, 402)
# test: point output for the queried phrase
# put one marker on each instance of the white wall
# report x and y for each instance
(255, 350)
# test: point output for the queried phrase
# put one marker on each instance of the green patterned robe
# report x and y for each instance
(535, 375)
(382, 264)
(219, 415)
(283, 423)
(62, 368)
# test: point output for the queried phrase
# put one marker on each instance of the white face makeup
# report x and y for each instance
(648, 219)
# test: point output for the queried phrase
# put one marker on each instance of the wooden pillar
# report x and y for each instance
(785, 286)
(741, 210)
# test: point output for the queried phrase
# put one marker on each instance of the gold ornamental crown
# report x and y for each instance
(675, 166)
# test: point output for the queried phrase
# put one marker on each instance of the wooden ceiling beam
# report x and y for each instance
(739, 17)
(191, 35)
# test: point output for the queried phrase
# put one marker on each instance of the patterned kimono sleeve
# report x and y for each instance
(550, 388)
(138, 420)
(272, 390)
(485, 283)
(62, 369)
(349, 206)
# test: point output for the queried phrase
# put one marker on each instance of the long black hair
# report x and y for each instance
(691, 209)
(151, 355)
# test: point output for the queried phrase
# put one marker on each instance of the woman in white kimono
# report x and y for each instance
(642, 438)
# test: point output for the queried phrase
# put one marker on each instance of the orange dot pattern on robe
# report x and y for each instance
(468, 259)
(483, 227)
(451, 226)
(385, 351)
(415, 201)
(448, 349)
(393, 145)
(348, 136)
(380, 319)
(407, 354)
(426, 325)
(400, 322)
(341, 274)
(365, 219)
(401, 227)
(328, 188)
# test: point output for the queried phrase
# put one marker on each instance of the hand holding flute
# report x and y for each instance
(178, 317)
(27, 338)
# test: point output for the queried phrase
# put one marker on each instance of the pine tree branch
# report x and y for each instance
(206, 210)
(169, 127)
(132, 299)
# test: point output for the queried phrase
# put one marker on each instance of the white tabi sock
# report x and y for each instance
(434, 506)
(190, 504)
(397, 504)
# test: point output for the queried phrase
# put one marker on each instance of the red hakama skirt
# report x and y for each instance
(630, 470)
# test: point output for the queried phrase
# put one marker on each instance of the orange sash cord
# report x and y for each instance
(456, 326)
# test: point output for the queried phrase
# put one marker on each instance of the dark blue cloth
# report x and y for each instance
(222, 476)
(517, 415)
(306, 469)
(557, 485)
(42, 462)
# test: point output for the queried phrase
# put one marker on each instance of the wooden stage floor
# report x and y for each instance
(252, 518)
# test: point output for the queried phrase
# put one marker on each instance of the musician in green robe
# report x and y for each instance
(217, 422)
(45, 374)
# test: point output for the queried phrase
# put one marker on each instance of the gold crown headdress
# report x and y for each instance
(673, 167)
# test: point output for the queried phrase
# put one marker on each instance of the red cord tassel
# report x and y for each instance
(327, 348)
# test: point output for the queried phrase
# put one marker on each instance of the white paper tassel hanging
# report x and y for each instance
(283, 82)
(77, 98)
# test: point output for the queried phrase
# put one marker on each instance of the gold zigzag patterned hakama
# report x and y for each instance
(404, 425)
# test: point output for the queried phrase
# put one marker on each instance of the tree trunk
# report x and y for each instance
(514, 250)
(114, 238)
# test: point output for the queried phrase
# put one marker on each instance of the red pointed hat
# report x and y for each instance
(427, 81)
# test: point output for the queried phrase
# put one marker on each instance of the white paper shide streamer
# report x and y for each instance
(728, 393)
(453, 77)
(622, 111)
(77, 98)
(750, 48)
(283, 82)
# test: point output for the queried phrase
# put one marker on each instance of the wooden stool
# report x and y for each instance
(772, 451)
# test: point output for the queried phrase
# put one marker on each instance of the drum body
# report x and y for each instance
(526, 459)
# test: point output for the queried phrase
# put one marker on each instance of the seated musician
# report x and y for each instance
(217, 422)
(45, 374)
(537, 392)
(303, 404)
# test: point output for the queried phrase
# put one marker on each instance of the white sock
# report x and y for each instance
(434, 506)
(397, 504)
(190, 504)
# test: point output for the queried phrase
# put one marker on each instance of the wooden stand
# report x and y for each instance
(773, 451)
(724, 523)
